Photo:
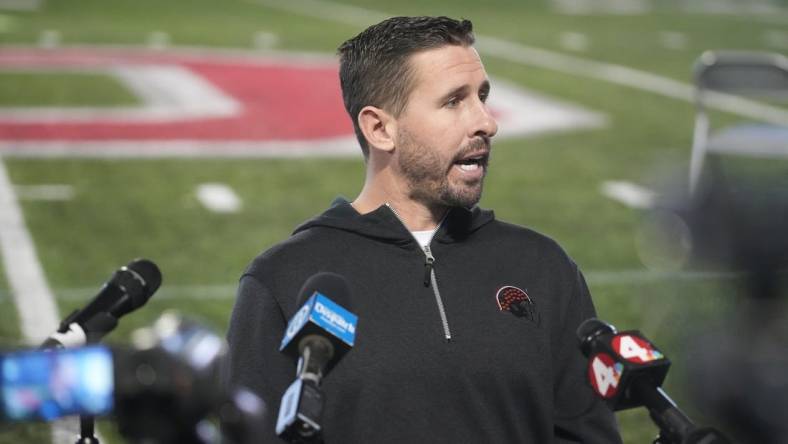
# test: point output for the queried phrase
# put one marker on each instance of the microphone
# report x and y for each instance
(128, 289)
(318, 335)
(627, 370)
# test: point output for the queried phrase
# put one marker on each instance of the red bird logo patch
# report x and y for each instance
(517, 302)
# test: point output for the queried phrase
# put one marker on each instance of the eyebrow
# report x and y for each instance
(463, 90)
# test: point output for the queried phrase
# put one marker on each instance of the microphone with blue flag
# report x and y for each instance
(318, 336)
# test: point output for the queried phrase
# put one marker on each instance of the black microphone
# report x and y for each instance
(128, 289)
(318, 335)
(627, 370)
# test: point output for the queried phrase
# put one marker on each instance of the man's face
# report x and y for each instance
(443, 134)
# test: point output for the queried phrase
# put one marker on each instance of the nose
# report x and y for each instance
(484, 123)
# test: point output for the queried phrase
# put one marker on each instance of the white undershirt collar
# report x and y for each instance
(424, 237)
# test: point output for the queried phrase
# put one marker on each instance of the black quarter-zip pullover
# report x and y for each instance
(500, 379)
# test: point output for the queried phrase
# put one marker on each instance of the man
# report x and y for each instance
(466, 324)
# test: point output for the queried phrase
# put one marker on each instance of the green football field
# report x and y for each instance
(127, 208)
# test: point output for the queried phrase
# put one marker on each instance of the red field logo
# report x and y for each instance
(218, 104)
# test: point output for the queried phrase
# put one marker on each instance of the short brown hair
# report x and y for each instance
(374, 68)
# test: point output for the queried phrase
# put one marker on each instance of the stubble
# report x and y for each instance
(427, 174)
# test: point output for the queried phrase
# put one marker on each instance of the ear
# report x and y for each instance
(378, 126)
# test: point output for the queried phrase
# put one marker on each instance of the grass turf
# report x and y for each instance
(126, 209)
(72, 89)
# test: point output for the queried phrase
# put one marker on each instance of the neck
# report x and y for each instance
(380, 189)
(418, 217)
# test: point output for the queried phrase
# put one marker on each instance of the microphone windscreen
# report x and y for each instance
(149, 272)
(331, 285)
(150, 275)
(590, 329)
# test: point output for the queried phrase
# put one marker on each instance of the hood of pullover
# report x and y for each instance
(385, 225)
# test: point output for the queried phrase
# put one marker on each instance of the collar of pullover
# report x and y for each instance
(385, 225)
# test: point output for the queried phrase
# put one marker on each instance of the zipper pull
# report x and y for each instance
(429, 260)
(427, 272)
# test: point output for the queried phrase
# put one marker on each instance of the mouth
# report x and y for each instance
(474, 161)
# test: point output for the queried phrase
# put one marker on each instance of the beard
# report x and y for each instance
(427, 174)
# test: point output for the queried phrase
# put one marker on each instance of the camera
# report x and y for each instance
(164, 388)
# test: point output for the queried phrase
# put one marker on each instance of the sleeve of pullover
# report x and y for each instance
(580, 417)
(256, 328)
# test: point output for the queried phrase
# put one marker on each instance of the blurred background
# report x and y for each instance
(197, 133)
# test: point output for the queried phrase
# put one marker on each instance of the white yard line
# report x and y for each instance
(48, 192)
(592, 7)
(780, 18)
(221, 292)
(168, 292)
(20, 5)
(345, 146)
(734, 7)
(531, 56)
(328, 10)
(189, 53)
(619, 277)
(629, 77)
(38, 313)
